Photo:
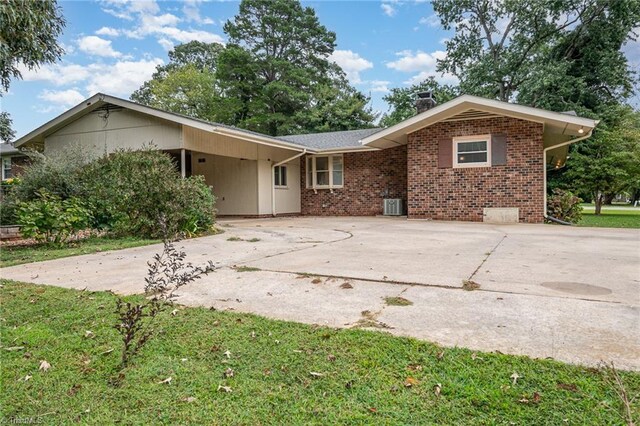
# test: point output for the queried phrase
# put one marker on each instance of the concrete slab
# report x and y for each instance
(545, 291)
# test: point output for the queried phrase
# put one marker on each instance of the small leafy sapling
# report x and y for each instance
(167, 272)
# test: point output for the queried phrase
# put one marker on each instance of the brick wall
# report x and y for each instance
(462, 193)
(367, 177)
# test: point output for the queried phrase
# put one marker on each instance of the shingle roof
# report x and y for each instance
(8, 149)
(330, 140)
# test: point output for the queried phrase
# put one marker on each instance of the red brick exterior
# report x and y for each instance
(368, 178)
(462, 193)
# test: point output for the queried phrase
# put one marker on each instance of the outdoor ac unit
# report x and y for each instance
(392, 206)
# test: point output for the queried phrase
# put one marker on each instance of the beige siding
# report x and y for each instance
(98, 134)
(212, 143)
(234, 182)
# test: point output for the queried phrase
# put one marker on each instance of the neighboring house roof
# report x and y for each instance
(332, 140)
(558, 126)
(8, 149)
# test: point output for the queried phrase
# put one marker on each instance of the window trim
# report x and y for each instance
(275, 184)
(472, 138)
(311, 166)
(10, 169)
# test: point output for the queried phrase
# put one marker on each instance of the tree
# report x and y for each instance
(6, 131)
(524, 51)
(402, 100)
(29, 31)
(608, 162)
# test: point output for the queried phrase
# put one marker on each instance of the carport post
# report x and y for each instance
(183, 163)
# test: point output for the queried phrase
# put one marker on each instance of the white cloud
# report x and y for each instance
(191, 12)
(96, 46)
(119, 79)
(58, 74)
(108, 31)
(63, 99)
(388, 9)
(351, 63)
(431, 21)
(123, 77)
(381, 86)
(422, 63)
(166, 44)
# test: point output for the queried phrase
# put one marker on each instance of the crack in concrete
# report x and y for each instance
(504, 236)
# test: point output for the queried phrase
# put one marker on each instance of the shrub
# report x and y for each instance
(8, 203)
(565, 206)
(51, 219)
(57, 174)
(131, 191)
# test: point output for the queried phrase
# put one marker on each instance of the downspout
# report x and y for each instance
(544, 157)
(273, 182)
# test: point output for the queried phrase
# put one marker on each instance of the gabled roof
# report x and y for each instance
(558, 126)
(100, 99)
(332, 140)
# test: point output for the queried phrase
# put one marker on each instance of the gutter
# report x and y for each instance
(273, 182)
(544, 160)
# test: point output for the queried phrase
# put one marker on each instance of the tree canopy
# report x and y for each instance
(274, 76)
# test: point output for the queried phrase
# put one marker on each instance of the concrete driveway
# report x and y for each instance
(572, 294)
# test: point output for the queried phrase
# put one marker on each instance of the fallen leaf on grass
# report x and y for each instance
(14, 348)
(437, 389)
(74, 389)
(228, 373)
(25, 378)
(409, 382)
(373, 410)
(535, 398)
(331, 357)
(227, 354)
(440, 355)
(188, 399)
(568, 386)
(89, 334)
(314, 374)
(174, 312)
(514, 378)
(414, 367)
(44, 365)
(224, 389)
(165, 381)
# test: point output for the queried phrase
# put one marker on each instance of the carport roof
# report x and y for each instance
(332, 140)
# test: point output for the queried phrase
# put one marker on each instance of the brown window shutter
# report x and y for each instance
(499, 150)
(445, 153)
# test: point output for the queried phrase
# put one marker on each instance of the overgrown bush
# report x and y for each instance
(57, 174)
(51, 219)
(564, 205)
(8, 203)
(130, 191)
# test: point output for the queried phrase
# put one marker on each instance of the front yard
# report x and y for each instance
(276, 372)
(611, 217)
(16, 255)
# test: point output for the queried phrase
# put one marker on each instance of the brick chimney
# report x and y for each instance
(425, 101)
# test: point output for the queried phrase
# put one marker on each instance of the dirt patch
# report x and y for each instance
(370, 320)
(576, 288)
(469, 285)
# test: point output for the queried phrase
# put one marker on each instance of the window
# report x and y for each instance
(6, 168)
(325, 171)
(280, 176)
(472, 151)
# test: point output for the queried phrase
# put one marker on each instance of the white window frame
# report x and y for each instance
(311, 165)
(276, 184)
(8, 160)
(474, 138)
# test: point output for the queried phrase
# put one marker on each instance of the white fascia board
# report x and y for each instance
(490, 105)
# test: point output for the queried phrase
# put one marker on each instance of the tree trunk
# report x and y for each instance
(608, 199)
(598, 199)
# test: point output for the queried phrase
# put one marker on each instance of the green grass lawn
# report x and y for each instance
(283, 373)
(10, 256)
(611, 217)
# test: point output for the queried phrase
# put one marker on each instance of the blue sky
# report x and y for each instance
(113, 46)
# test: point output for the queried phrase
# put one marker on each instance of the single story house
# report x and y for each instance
(470, 159)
